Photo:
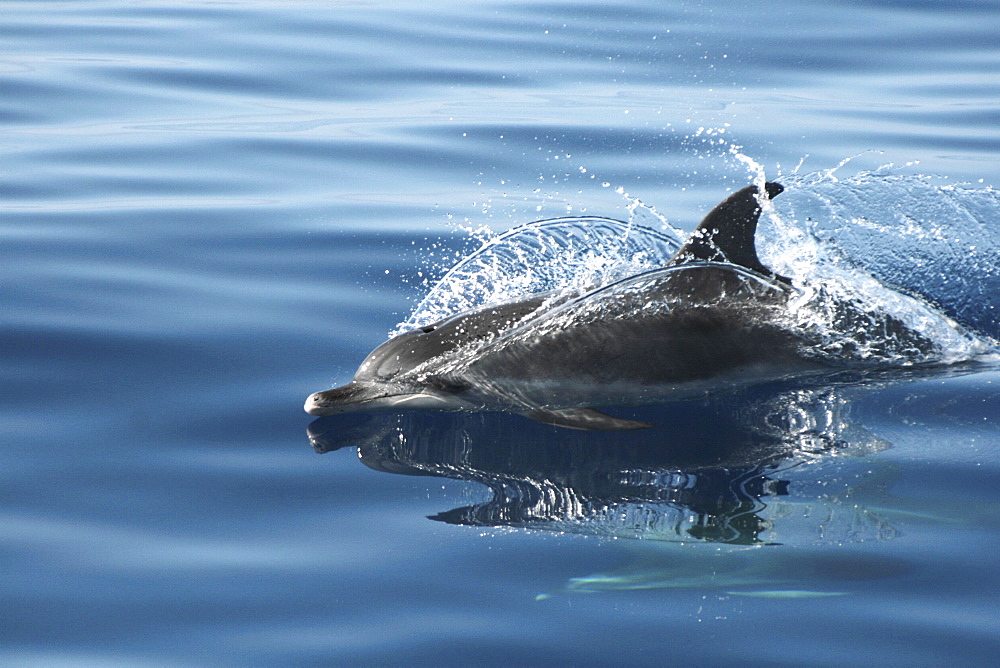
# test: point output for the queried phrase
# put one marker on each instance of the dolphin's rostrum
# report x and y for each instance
(713, 315)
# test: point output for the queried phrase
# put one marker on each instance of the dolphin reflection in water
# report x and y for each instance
(782, 462)
(713, 317)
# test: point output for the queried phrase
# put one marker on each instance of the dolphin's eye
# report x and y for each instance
(428, 329)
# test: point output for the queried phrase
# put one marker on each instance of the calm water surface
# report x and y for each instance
(210, 210)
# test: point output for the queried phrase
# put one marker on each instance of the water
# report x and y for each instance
(211, 210)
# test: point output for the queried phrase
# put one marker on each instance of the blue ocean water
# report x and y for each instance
(210, 210)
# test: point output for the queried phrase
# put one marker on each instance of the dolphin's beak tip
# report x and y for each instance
(311, 407)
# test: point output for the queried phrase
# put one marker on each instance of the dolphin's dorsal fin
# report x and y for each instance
(586, 419)
(727, 233)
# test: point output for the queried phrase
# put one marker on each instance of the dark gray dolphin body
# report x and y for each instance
(714, 315)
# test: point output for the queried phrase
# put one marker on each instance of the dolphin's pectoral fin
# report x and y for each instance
(586, 419)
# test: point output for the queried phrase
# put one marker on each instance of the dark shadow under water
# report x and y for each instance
(707, 471)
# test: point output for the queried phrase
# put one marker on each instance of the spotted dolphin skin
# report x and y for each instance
(712, 315)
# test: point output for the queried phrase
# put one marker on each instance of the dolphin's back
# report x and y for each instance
(685, 323)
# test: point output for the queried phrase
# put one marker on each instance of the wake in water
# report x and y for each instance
(561, 255)
(937, 242)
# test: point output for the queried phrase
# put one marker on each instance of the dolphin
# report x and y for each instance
(713, 316)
